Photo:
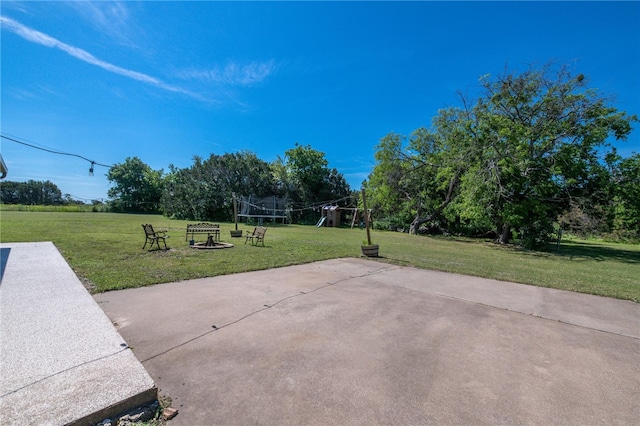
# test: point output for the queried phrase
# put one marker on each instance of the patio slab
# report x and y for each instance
(358, 342)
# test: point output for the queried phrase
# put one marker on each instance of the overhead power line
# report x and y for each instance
(54, 151)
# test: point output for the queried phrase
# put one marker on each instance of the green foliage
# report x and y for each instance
(282, 177)
(420, 175)
(392, 223)
(515, 159)
(627, 194)
(307, 179)
(205, 190)
(31, 192)
(390, 180)
(541, 136)
(622, 236)
(307, 168)
(585, 220)
(77, 208)
(312, 179)
(136, 187)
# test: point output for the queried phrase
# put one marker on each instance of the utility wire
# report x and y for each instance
(318, 205)
(53, 151)
(313, 206)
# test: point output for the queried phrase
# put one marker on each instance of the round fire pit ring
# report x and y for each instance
(217, 245)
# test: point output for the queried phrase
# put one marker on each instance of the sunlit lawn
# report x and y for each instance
(105, 250)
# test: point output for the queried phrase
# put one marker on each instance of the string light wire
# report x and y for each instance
(313, 206)
(54, 151)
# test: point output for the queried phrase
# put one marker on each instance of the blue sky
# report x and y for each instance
(165, 81)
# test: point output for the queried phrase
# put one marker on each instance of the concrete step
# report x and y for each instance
(61, 359)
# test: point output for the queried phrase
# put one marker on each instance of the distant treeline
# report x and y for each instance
(66, 208)
(205, 191)
(33, 192)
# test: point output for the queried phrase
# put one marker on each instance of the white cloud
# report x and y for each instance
(110, 17)
(48, 41)
(104, 14)
(234, 74)
(22, 94)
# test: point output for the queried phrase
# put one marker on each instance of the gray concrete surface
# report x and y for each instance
(357, 342)
(61, 359)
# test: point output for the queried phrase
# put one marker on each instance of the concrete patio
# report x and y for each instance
(358, 342)
(339, 342)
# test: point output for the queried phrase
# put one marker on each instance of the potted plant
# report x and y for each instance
(369, 250)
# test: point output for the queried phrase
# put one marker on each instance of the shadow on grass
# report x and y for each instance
(572, 250)
(576, 250)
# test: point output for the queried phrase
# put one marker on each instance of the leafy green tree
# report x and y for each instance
(335, 186)
(307, 179)
(542, 134)
(310, 178)
(627, 194)
(282, 178)
(31, 192)
(136, 186)
(205, 191)
(307, 170)
(401, 184)
(416, 180)
(514, 159)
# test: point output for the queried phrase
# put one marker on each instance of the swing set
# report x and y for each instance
(331, 216)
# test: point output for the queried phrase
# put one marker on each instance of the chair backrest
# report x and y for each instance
(202, 226)
(148, 229)
(260, 231)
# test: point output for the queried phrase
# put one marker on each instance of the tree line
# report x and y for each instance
(33, 192)
(206, 189)
(530, 156)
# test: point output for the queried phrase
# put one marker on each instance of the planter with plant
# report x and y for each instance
(368, 248)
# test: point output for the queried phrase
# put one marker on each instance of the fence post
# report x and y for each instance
(366, 217)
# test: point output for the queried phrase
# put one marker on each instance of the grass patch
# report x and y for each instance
(105, 249)
(76, 208)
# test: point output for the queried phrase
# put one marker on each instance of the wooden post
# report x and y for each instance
(235, 211)
(366, 216)
(353, 219)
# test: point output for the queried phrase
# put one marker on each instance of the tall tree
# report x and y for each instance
(627, 195)
(417, 179)
(307, 169)
(205, 190)
(282, 178)
(136, 186)
(310, 178)
(531, 145)
(542, 136)
(307, 178)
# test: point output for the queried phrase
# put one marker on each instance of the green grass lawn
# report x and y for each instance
(105, 250)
